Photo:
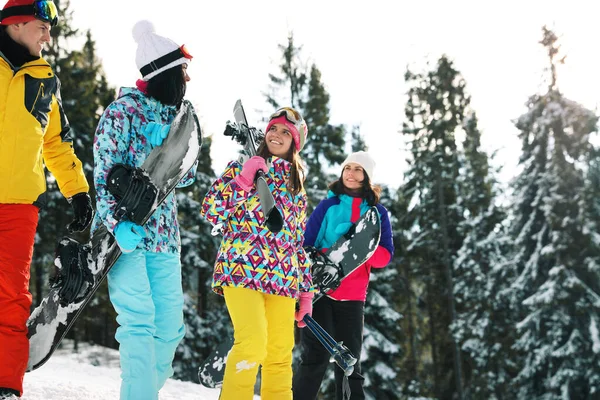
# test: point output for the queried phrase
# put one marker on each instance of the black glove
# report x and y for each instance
(82, 208)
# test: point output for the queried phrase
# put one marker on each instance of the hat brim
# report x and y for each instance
(175, 63)
(17, 19)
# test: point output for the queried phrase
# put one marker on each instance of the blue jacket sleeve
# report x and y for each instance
(386, 239)
(315, 221)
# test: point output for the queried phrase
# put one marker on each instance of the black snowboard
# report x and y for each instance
(349, 252)
(211, 372)
(165, 166)
(328, 270)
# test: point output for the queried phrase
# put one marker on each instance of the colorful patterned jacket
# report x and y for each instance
(331, 219)
(119, 139)
(250, 255)
(34, 131)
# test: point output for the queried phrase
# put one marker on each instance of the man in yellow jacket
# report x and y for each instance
(33, 132)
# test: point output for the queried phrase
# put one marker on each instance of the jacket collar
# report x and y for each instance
(280, 165)
(143, 98)
(14, 53)
(346, 199)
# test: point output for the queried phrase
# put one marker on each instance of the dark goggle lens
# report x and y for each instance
(46, 11)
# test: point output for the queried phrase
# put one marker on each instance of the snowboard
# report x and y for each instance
(165, 166)
(349, 252)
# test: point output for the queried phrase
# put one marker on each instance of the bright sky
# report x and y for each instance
(362, 49)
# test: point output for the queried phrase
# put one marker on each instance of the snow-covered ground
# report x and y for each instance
(93, 374)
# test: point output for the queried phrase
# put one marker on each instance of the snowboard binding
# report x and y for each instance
(244, 135)
(327, 273)
(134, 191)
(72, 277)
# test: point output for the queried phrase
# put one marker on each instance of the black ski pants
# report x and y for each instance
(344, 321)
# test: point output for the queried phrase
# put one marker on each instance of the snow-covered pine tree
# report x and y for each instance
(413, 376)
(485, 321)
(381, 351)
(558, 283)
(434, 113)
(205, 315)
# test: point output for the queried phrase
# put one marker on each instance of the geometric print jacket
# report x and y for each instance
(251, 256)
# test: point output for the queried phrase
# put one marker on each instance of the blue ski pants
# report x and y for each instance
(145, 290)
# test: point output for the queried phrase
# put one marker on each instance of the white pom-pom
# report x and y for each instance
(141, 29)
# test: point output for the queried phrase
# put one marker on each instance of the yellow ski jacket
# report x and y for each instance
(34, 131)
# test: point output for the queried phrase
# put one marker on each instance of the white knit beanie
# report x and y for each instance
(156, 53)
(363, 159)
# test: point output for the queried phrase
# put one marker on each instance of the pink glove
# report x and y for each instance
(305, 308)
(246, 178)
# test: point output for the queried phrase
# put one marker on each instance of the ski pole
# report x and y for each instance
(340, 353)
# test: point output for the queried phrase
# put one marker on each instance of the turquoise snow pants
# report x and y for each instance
(145, 290)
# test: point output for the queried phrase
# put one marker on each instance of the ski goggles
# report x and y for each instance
(290, 114)
(44, 10)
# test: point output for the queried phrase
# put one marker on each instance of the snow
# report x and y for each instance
(93, 374)
(595, 336)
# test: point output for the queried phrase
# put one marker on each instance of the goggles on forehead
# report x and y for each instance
(44, 10)
(290, 114)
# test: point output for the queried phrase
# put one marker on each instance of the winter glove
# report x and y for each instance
(246, 178)
(156, 133)
(305, 308)
(129, 235)
(82, 210)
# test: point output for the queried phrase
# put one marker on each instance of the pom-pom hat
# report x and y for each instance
(156, 53)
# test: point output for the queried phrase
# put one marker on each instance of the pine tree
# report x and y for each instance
(409, 301)
(558, 283)
(381, 350)
(357, 140)
(293, 80)
(205, 315)
(484, 324)
(434, 112)
(325, 144)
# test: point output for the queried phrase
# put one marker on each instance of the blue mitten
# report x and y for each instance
(129, 235)
(156, 133)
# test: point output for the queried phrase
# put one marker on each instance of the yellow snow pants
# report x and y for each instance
(263, 326)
